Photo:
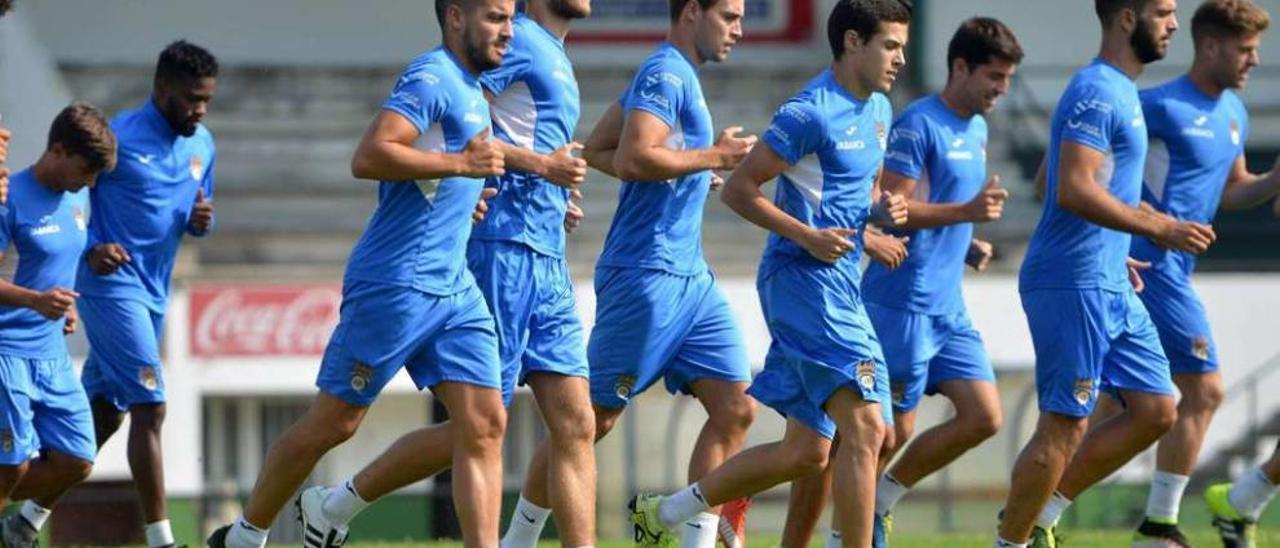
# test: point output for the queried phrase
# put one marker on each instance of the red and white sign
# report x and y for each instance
(646, 21)
(262, 320)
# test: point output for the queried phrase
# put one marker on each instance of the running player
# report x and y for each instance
(517, 258)
(824, 371)
(1087, 324)
(45, 408)
(409, 301)
(1197, 128)
(660, 315)
(161, 189)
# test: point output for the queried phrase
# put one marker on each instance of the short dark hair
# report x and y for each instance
(1108, 9)
(863, 17)
(5, 7)
(183, 61)
(83, 131)
(1228, 18)
(677, 6)
(981, 39)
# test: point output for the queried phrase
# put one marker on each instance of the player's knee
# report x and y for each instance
(807, 461)
(980, 423)
(572, 427)
(73, 470)
(606, 419)
(484, 427)
(1156, 416)
(734, 414)
(148, 417)
(1205, 398)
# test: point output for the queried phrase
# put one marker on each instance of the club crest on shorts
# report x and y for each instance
(1084, 391)
(360, 375)
(867, 375)
(624, 386)
(898, 391)
(6, 440)
(1200, 347)
(147, 376)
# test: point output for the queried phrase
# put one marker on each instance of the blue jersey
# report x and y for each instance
(1100, 110)
(417, 236)
(658, 224)
(947, 157)
(1195, 140)
(535, 106)
(48, 231)
(145, 203)
(835, 144)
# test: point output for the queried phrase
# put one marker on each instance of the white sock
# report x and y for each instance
(700, 531)
(683, 505)
(342, 503)
(526, 525)
(243, 535)
(1053, 510)
(159, 534)
(35, 514)
(1002, 543)
(834, 540)
(1165, 498)
(888, 491)
(1251, 493)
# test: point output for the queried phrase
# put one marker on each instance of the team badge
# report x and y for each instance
(147, 376)
(78, 213)
(624, 386)
(1084, 391)
(1200, 347)
(882, 135)
(360, 375)
(6, 440)
(867, 375)
(197, 168)
(1235, 133)
(898, 391)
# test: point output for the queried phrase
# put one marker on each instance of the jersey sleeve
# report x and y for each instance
(1090, 117)
(659, 91)
(909, 145)
(515, 65)
(7, 230)
(420, 97)
(795, 132)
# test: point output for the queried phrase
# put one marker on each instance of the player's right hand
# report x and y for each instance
(890, 211)
(829, 244)
(1135, 273)
(1186, 236)
(885, 249)
(565, 169)
(988, 205)
(54, 303)
(481, 158)
(482, 205)
(733, 147)
(980, 254)
(106, 258)
(573, 214)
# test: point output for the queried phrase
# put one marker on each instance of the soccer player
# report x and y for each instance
(824, 371)
(1237, 506)
(1087, 324)
(517, 258)
(45, 408)
(660, 314)
(161, 189)
(1197, 127)
(409, 301)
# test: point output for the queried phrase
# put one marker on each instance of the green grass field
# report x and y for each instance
(1201, 538)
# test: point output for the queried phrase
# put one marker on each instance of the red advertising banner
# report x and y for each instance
(262, 320)
(646, 21)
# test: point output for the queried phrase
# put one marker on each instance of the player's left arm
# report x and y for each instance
(201, 221)
(602, 144)
(1245, 190)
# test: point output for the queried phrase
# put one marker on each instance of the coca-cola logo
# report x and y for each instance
(259, 321)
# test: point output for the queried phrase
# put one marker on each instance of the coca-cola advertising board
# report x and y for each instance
(262, 320)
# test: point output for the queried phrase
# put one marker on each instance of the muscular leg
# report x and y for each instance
(1037, 472)
(977, 418)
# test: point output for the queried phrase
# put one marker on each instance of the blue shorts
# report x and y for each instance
(1089, 339)
(531, 298)
(123, 367)
(924, 351)
(822, 342)
(652, 324)
(43, 407)
(383, 327)
(1180, 319)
